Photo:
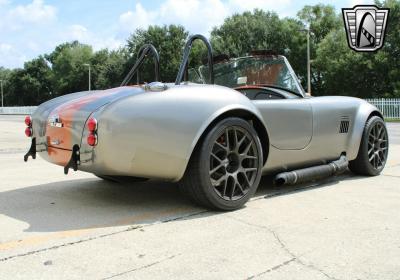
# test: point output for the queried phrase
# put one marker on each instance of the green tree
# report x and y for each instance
(31, 85)
(388, 59)
(242, 33)
(168, 41)
(109, 67)
(68, 69)
(257, 30)
(321, 20)
(5, 77)
(343, 71)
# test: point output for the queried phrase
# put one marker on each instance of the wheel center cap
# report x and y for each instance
(233, 162)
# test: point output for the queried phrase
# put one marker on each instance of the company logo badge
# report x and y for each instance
(365, 27)
(55, 121)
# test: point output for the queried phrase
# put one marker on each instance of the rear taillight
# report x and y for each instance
(28, 121)
(28, 130)
(92, 127)
(92, 139)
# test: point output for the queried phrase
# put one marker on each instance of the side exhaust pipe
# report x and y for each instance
(312, 173)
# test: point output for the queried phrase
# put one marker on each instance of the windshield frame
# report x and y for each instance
(297, 84)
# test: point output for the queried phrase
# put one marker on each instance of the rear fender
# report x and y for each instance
(154, 134)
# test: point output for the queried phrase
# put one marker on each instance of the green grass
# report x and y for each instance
(392, 120)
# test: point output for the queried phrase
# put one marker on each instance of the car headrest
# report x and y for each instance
(217, 59)
(264, 53)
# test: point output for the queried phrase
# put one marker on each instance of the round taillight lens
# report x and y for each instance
(28, 121)
(92, 139)
(92, 124)
(28, 132)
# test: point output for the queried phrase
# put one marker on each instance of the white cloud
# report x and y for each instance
(139, 18)
(23, 16)
(31, 29)
(10, 57)
(240, 6)
(83, 35)
(198, 16)
(77, 32)
(353, 3)
(35, 12)
(4, 2)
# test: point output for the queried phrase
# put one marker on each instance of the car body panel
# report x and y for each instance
(152, 130)
(327, 142)
(157, 143)
(71, 113)
(295, 115)
(153, 134)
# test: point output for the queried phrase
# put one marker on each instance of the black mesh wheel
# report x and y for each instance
(373, 151)
(225, 169)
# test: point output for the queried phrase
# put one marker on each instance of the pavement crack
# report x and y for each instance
(272, 268)
(276, 236)
(141, 267)
(68, 244)
(131, 228)
(313, 267)
(284, 247)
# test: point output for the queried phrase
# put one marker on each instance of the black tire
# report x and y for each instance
(119, 179)
(225, 168)
(374, 148)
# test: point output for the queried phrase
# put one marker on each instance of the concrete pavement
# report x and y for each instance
(78, 226)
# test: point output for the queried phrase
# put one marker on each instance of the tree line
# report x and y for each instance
(335, 68)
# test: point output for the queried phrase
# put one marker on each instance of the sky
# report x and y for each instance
(29, 28)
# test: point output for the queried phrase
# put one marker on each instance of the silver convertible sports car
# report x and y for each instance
(216, 130)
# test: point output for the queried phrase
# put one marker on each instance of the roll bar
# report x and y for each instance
(185, 59)
(142, 54)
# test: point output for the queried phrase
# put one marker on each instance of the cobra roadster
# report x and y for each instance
(216, 130)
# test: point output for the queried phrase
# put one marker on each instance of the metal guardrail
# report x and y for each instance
(390, 107)
(26, 110)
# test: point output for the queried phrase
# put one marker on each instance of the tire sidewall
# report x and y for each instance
(205, 151)
(364, 145)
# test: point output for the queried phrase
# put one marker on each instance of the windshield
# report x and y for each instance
(258, 70)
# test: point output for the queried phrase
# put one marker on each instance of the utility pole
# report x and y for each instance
(2, 96)
(308, 62)
(88, 65)
(308, 30)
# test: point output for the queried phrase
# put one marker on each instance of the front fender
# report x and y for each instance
(365, 110)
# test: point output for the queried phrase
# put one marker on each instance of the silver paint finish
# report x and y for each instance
(285, 118)
(153, 134)
(158, 131)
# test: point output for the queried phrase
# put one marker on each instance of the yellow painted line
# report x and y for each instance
(132, 220)
(36, 240)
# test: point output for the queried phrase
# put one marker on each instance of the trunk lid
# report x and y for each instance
(60, 122)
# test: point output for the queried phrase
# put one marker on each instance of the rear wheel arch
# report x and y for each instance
(246, 115)
(224, 170)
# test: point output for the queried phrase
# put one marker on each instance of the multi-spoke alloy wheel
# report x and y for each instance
(377, 145)
(225, 169)
(373, 152)
(233, 163)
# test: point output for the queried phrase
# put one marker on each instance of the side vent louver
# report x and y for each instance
(344, 125)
